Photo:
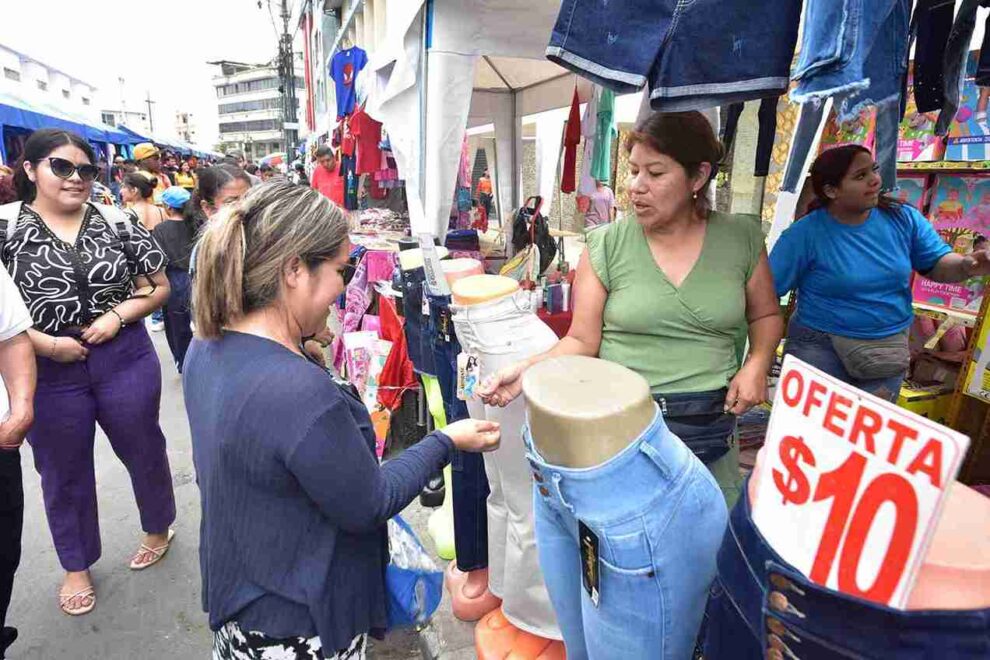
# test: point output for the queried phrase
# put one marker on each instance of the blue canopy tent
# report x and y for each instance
(23, 115)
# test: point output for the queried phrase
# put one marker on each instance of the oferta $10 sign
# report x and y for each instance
(852, 486)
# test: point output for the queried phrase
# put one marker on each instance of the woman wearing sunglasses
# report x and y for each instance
(88, 276)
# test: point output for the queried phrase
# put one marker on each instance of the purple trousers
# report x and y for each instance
(118, 386)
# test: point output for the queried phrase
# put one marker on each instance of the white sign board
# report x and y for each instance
(852, 486)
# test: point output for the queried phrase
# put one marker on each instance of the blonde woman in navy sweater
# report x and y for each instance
(293, 544)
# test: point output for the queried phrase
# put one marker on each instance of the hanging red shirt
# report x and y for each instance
(330, 184)
(572, 138)
(368, 134)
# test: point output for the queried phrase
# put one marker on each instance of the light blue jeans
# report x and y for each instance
(659, 517)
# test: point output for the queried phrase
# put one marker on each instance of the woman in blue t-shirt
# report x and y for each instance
(850, 262)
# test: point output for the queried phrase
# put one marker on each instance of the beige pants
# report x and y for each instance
(501, 333)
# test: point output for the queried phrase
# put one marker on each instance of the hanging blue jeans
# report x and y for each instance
(417, 340)
(470, 482)
(761, 607)
(659, 518)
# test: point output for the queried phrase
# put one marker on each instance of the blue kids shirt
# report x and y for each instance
(344, 68)
(855, 280)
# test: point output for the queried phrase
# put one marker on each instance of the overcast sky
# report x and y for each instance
(158, 46)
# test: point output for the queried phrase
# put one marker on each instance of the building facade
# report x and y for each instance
(133, 119)
(38, 82)
(185, 127)
(249, 106)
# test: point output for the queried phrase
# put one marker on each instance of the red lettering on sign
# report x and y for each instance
(901, 433)
(833, 412)
(867, 423)
(791, 397)
(814, 400)
(929, 462)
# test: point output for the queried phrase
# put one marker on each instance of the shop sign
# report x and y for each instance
(852, 486)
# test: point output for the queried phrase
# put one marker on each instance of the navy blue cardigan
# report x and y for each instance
(294, 503)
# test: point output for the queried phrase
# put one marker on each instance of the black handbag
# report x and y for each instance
(530, 228)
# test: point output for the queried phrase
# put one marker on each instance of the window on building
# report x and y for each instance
(65, 93)
(85, 101)
(108, 118)
(11, 74)
(42, 85)
(250, 126)
(249, 86)
(248, 106)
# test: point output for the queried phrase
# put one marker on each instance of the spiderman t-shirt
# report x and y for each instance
(344, 68)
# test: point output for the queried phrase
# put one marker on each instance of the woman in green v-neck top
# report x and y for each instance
(670, 292)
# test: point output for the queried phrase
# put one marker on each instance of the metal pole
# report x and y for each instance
(151, 118)
(288, 76)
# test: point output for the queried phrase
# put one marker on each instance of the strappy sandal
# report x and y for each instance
(158, 553)
(65, 599)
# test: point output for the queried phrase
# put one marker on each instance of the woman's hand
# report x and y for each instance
(747, 389)
(474, 435)
(503, 386)
(102, 329)
(68, 349)
(977, 263)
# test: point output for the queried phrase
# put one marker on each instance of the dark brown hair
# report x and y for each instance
(39, 146)
(687, 137)
(831, 167)
(141, 182)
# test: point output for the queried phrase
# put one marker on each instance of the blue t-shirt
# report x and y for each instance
(344, 68)
(855, 280)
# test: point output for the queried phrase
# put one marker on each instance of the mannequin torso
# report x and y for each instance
(577, 426)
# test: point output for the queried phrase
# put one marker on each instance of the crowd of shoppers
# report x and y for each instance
(284, 453)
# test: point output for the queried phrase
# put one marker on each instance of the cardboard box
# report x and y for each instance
(931, 402)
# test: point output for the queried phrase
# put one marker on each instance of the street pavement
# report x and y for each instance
(154, 613)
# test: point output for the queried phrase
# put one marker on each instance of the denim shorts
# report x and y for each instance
(695, 54)
(815, 348)
(659, 518)
(854, 50)
(761, 607)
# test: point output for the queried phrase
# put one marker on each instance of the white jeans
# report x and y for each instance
(501, 333)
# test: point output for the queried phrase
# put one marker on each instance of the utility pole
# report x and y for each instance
(151, 119)
(287, 75)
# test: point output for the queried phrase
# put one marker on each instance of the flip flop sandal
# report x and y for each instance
(158, 552)
(65, 599)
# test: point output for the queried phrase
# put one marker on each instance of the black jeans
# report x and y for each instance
(178, 317)
(11, 523)
(470, 482)
(767, 116)
(700, 421)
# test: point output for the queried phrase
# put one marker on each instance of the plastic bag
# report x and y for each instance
(413, 582)
(524, 265)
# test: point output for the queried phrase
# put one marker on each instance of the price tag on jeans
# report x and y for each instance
(851, 486)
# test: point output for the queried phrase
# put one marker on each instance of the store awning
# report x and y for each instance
(486, 64)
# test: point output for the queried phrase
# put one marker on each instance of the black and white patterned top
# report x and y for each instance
(68, 285)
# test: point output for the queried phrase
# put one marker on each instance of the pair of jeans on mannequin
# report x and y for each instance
(500, 333)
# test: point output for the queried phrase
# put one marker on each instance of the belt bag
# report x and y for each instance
(869, 359)
(700, 421)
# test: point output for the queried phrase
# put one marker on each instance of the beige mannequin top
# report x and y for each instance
(583, 411)
(477, 289)
(956, 572)
(458, 269)
(413, 259)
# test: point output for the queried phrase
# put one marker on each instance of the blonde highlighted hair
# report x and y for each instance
(242, 253)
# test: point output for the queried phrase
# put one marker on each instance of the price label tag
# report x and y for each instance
(852, 486)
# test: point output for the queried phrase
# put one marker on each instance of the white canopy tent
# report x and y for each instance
(459, 63)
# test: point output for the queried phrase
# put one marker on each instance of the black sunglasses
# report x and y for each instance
(64, 169)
